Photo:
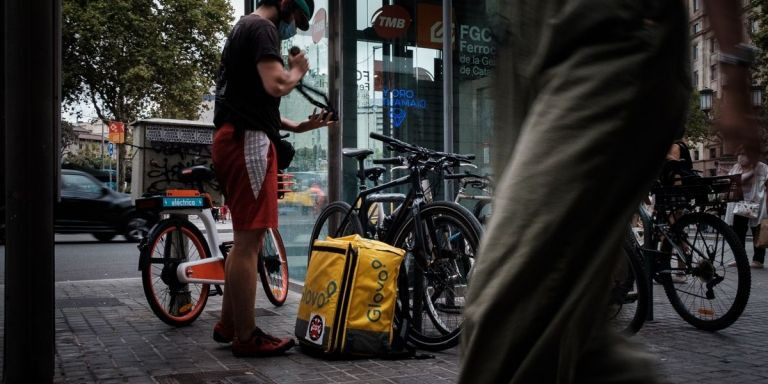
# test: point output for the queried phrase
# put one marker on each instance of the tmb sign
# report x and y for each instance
(391, 21)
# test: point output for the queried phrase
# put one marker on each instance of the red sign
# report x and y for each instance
(391, 21)
(116, 132)
(429, 26)
(318, 26)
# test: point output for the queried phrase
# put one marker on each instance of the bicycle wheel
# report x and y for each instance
(170, 243)
(705, 291)
(629, 296)
(273, 267)
(329, 220)
(437, 281)
(482, 211)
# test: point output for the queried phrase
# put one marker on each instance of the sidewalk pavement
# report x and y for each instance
(106, 333)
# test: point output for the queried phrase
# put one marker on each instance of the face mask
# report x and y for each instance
(286, 30)
(743, 160)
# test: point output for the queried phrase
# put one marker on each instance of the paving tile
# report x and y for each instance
(125, 342)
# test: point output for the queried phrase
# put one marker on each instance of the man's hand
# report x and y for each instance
(317, 120)
(299, 63)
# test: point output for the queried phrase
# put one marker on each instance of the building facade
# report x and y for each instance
(709, 157)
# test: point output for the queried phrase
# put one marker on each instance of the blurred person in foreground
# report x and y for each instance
(591, 95)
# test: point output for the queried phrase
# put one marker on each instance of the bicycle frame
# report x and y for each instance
(660, 231)
(209, 270)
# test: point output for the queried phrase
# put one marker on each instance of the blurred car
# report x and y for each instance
(308, 198)
(88, 206)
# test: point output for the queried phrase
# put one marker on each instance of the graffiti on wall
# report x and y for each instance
(168, 150)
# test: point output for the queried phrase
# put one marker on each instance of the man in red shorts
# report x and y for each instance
(251, 81)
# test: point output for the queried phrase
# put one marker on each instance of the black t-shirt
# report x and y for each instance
(240, 95)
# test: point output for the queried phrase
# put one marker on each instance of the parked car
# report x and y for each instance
(88, 206)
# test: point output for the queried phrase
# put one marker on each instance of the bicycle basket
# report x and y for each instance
(699, 191)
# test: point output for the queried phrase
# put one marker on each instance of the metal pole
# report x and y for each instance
(117, 168)
(102, 144)
(447, 88)
(31, 69)
(247, 6)
(335, 90)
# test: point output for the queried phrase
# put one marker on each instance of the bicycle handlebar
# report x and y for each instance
(390, 160)
(401, 146)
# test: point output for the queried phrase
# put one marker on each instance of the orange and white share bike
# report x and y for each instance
(177, 263)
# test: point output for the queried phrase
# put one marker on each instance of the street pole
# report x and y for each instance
(117, 169)
(102, 143)
(448, 88)
(32, 81)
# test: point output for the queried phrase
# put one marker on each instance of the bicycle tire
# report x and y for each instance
(334, 211)
(169, 243)
(707, 274)
(273, 267)
(477, 211)
(630, 296)
(447, 277)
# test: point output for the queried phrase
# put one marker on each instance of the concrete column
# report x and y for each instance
(31, 46)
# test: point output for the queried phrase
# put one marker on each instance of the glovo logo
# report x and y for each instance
(319, 299)
(374, 307)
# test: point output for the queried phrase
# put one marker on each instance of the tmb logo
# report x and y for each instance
(391, 21)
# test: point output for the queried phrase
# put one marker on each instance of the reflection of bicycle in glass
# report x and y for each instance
(688, 251)
(467, 183)
(177, 264)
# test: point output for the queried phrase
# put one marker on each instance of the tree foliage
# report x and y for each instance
(68, 137)
(90, 158)
(136, 58)
(697, 126)
(759, 13)
(132, 59)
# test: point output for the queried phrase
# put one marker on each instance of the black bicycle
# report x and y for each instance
(440, 238)
(689, 251)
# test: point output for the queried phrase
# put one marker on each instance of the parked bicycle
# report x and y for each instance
(177, 263)
(468, 182)
(688, 251)
(440, 239)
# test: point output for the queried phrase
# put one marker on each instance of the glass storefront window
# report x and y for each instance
(399, 78)
(299, 208)
(398, 89)
(473, 63)
(391, 83)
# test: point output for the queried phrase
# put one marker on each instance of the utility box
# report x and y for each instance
(162, 148)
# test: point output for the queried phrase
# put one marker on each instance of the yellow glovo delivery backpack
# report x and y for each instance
(349, 299)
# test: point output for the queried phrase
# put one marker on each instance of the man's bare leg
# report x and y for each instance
(241, 271)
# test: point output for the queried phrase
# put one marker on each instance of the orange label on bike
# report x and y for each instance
(182, 192)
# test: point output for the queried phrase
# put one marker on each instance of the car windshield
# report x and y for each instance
(80, 185)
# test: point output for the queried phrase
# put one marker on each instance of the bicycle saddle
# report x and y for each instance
(356, 152)
(196, 173)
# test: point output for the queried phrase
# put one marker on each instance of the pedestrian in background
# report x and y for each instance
(589, 96)
(754, 175)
